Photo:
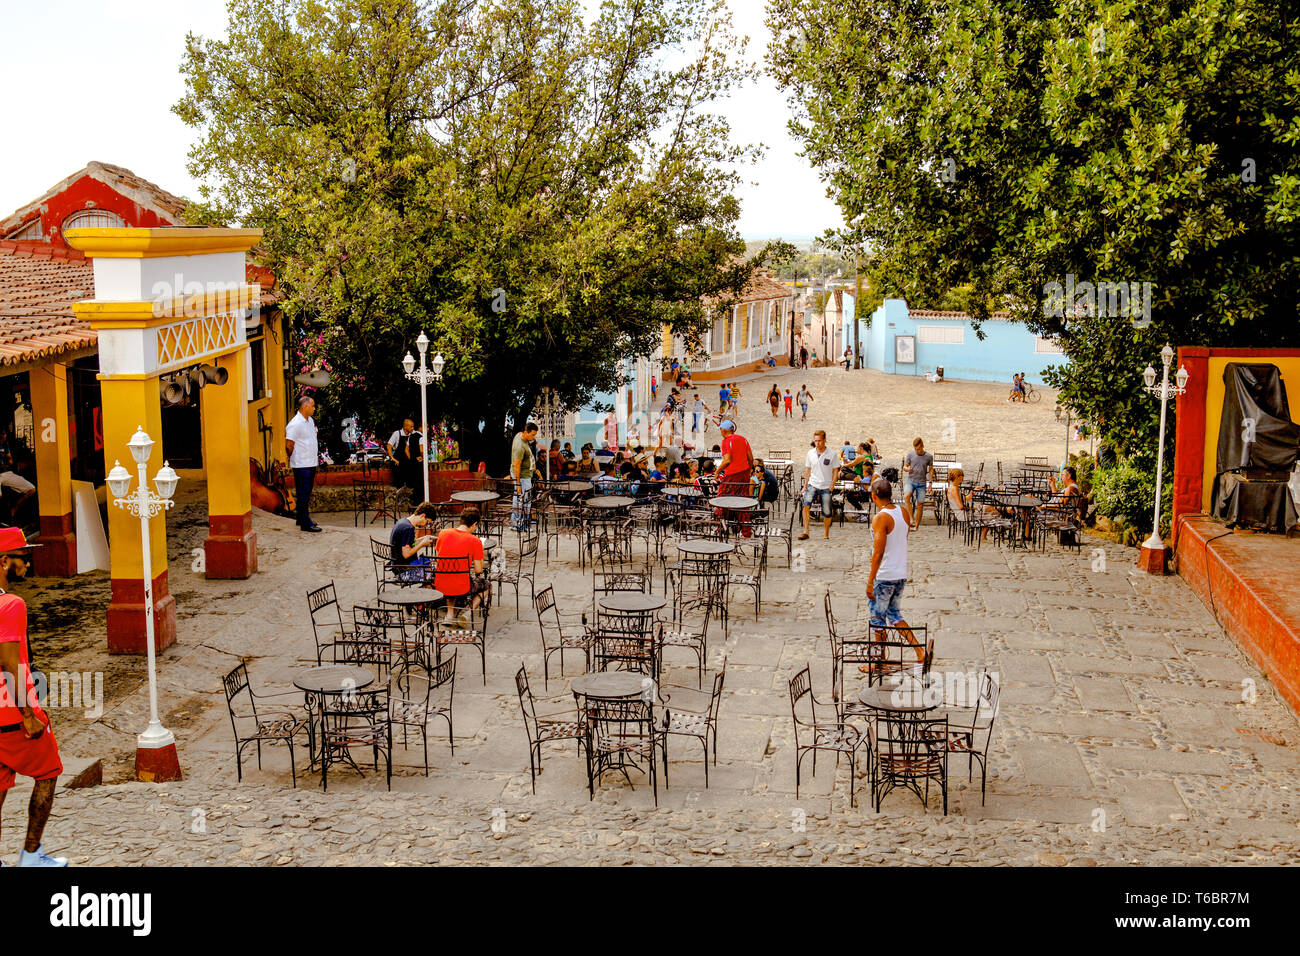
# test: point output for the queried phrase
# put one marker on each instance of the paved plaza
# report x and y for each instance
(1131, 730)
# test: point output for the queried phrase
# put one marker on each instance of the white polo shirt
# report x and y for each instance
(302, 432)
(822, 465)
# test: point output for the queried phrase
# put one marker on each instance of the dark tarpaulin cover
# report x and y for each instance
(1255, 393)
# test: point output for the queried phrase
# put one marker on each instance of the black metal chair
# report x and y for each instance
(327, 621)
(417, 694)
(558, 634)
(552, 726)
(467, 629)
(910, 749)
(627, 642)
(525, 565)
(813, 733)
(691, 713)
(970, 730)
(356, 721)
(370, 496)
(376, 631)
(621, 733)
(889, 652)
(277, 726)
(687, 625)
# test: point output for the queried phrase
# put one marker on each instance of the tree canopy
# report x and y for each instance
(540, 193)
(995, 149)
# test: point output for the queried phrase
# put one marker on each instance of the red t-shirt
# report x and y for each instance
(13, 629)
(454, 543)
(742, 459)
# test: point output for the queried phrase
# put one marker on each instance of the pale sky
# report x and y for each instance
(104, 92)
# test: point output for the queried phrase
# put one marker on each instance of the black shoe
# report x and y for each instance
(314, 529)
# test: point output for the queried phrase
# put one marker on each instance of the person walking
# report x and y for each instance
(735, 399)
(805, 397)
(803, 356)
(789, 404)
(406, 452)
(611, 431)
(724, 397)
(919, 465)
(735, 467)
(304, 456)
(522, 466)
(698, 411)
(774, 399)
(888, 575)
(818, 480)
(27, 744)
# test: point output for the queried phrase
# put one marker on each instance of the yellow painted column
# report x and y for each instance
(58, 557)
(132, 402)
(230, 550)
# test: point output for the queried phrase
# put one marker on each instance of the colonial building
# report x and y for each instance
(93, 257)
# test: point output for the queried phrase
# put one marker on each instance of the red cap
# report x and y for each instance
(13, 539)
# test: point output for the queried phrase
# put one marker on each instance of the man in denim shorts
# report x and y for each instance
(918, 468)
(818, 480)
(890, 528)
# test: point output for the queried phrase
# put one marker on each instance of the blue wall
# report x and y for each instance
(1007, 347)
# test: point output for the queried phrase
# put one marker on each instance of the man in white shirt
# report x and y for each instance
(820, 466)
(304, 456)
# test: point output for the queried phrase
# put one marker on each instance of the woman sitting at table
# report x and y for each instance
(587, 464)
(763, 484)
(957, 504)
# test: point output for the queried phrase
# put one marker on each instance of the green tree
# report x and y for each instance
(539, 193)
(997, 148)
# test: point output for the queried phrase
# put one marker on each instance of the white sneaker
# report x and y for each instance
(39, 858)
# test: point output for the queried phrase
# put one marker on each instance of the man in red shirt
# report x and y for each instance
(27, 743)
(460, 549)
(735, 467)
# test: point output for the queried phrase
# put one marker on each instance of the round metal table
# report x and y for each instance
(409, 596)
(610, 501)
(474, 497)
(898, 700)
(334, 679)
(734, 502)
(682, 491)
(705, 546)
(572, 485)
(609, 685)
(632, 602)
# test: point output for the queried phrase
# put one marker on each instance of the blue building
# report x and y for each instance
(906, 341)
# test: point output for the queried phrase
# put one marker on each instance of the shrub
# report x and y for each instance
(1126, 491)
(1084, 465)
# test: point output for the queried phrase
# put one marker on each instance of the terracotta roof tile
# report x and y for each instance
(38, 284)
(931, 314)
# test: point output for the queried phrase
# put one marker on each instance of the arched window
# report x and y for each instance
(92, 219)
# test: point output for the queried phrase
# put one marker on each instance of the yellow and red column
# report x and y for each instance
(58, 556)
(230, 550)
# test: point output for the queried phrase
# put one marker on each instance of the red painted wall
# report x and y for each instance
(90, 193)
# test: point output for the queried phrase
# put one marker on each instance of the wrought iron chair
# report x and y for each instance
(418, 694)
(619, 734)
(396, 574)
(376, 631)
(910, 749)
(556, 724)
(525, 565)
(687, 624)
(271, 726)
(813, 733)
(558, 634)
(691, 713)
(356, 721)
(628, 642)
(970, 730)
(327, 621)
(889, 654)
(467, 629)
(370, 496)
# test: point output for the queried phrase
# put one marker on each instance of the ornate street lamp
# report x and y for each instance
(145, 505)
(424, 378)
(1164, 391)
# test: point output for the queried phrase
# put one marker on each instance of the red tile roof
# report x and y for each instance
(930, 314)
(38, 284)
(143, 193)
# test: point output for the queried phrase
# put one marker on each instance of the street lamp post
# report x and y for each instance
(156, 758)
(1065, 415)
(424, 378)
(1153, 548)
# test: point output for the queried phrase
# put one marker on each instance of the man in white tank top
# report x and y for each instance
(890, 528)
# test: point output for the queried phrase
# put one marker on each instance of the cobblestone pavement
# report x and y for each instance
(1131, 730)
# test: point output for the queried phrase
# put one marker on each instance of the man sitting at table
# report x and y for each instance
(460, 563)
(406, 544)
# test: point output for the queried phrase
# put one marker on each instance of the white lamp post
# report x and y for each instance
(1164, 391)
(424, 378)
(146, 505)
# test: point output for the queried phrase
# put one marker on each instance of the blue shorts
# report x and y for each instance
(810, 494)
(913, 494)
(887, 605)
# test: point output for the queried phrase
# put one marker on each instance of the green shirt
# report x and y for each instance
(521, 452)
